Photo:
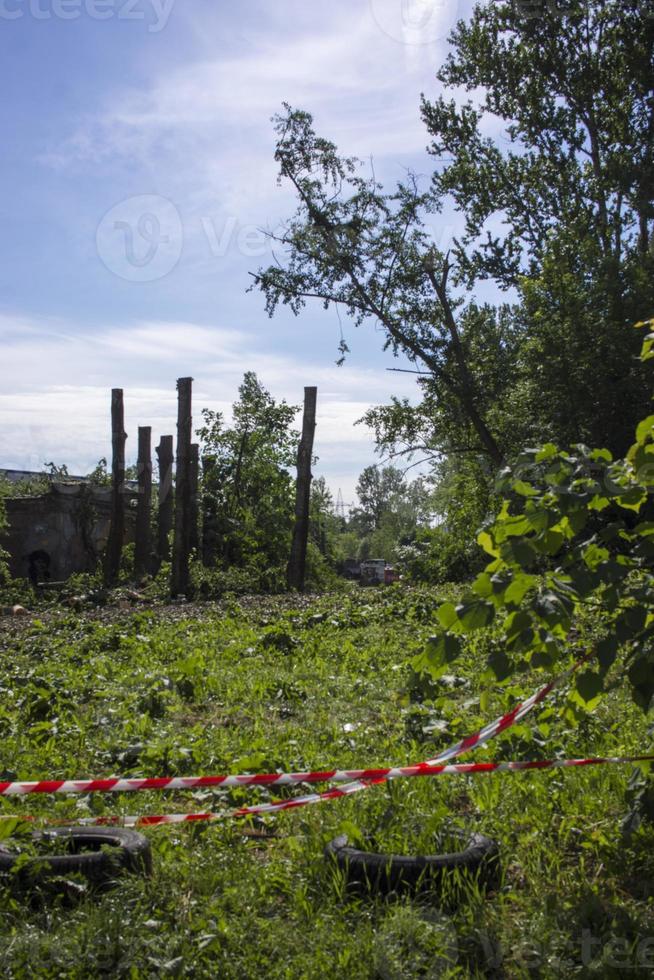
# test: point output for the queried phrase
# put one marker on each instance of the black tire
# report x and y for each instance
(97, 853)
(386, 873)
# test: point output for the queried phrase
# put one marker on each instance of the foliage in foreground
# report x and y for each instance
(576, 529)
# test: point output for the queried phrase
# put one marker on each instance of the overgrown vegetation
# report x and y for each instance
(560, 216)
(574, 531)
(293, 684)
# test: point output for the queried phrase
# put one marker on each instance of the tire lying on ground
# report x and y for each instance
(99, 854)
(385, 873)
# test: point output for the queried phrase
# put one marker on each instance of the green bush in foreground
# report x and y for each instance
(576, 530)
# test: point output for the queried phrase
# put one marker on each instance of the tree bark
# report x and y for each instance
(194, 499)
(209, 530)
(143, 543)
(296, 570)
(466, 388)
(179, 584)
(117, 526)
(165, 498)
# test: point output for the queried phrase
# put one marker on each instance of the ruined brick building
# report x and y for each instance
(62, 531)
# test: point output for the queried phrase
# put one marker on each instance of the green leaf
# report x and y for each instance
(483, 585)
(641, 675)
(594, 555)
(14, 827)
(551, 609)
(607, 651)
(524, 489)
(519, 551)
(514, 526)
(577, 518)
(448, 618)
(612, 572)
(516, 623)
(475, 614)
(518, 588)
(645, 430)
(484, 539)
(630, 623)
(601, 454)
(589, 685)
(633, 499)
(548, 451)
(539, 518)
(550, 542)
(642, 461)
(500, 664)
(583, 581)
(441, 650)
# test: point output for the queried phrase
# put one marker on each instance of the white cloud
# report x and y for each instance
(196, 129)
(56, 389)
(202, 129)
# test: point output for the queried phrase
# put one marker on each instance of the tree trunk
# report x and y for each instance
(143, 544)
(182, 538)
(117, 525)
(297, 562)
(209, 531)
(465, 390)
(165, 498)
(195, 503)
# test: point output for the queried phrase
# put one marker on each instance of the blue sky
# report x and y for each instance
(137, 171)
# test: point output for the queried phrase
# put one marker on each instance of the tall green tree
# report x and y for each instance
(391, 511)
(377, 488)
(557, 207)
(251, 480)
(351, 244)
(560, 208)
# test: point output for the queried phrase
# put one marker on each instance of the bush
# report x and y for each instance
(575, 531)
(437, 556)
(215, 583)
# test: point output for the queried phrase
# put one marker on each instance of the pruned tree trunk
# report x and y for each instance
(194, 498)
(465, 389)
(117, 524)
(182, 538)
(297, 562)
(143, 542)
(209, 513)
(165, 498)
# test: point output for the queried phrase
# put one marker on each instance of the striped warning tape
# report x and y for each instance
(365, 776)
(361, 782)
(478, 767)
(461, 768)
(489, 731)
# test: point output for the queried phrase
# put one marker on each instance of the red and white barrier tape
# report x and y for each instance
(364, 780)
(461, 768)
(470, 742)
(366, 776)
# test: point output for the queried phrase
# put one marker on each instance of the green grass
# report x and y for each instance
(266, 686)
